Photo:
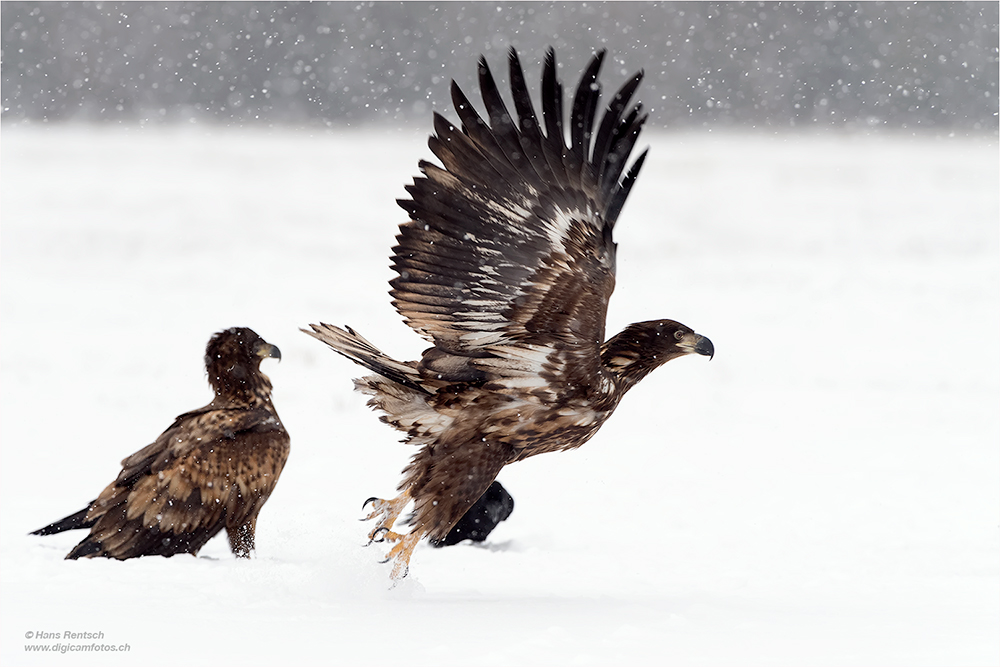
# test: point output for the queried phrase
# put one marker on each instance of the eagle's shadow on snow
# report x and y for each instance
(506, 545)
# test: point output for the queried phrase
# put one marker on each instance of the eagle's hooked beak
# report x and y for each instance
(698, 344)
(265, 350)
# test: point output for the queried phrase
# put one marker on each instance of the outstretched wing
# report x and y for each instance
(508, 254)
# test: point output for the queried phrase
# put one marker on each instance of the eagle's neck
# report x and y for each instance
(634, 353)
(242, 386)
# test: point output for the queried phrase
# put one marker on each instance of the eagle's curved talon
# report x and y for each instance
(378, 535)
(372, 499)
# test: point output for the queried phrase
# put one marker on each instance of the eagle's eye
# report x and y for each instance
(678, 334)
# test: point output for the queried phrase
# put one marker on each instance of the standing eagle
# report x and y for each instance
(214, 468)
(506, 267)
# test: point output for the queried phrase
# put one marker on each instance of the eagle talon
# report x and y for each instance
(401, 552)
(386, 511)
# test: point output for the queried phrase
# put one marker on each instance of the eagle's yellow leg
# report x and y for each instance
(401, 553)
(386, 511)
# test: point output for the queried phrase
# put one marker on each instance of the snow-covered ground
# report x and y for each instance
(826, 491)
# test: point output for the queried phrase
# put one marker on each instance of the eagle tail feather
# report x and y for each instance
(71, 522)
(353, 346)
(88, 547)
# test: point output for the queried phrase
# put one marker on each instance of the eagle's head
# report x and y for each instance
(232, 360)
(644, 346)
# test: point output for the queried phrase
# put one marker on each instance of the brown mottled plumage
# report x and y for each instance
(506, 267)
(214, 468)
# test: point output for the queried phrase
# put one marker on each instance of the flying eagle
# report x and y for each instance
(506, 267)
(214, 468)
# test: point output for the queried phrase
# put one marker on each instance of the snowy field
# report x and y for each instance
(826, 491)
